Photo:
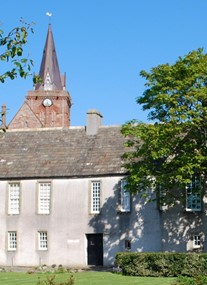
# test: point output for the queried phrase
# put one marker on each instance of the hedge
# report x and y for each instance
(162, 264)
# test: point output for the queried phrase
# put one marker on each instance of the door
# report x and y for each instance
(95, 249)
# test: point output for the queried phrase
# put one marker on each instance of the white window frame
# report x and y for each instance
(125, 198)
(12, 240)
(14, 198)
(44, 197)
(42, 240)
(196, 241)
(95, 196)
(193, 195)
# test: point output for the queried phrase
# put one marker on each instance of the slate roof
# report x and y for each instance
(56, 153)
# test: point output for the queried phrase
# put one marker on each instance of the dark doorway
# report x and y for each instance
(95, 249)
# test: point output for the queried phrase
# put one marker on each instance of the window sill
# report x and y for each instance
(193, 210)
(120, 212)
(94, 213)
(42, 249)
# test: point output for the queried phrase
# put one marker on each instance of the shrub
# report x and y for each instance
(196, 280)
(60, 269)
(162, 264)
(51, 281)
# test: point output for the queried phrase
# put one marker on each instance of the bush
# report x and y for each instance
(162, 264)
(60, 269)
(51, 281)
(197, 280)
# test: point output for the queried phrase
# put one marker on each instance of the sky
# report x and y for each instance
(102, 45)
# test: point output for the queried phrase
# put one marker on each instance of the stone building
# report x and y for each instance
(62, 188)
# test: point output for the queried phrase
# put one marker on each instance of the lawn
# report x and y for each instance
(82, 278)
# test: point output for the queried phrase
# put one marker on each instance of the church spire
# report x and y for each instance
(49, 69)
(47, 106)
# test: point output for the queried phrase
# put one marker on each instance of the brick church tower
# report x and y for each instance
(48, 105)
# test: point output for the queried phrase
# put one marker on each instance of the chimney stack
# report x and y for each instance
(3, 117)
(94, 121)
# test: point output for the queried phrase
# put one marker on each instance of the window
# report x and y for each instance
(127, 244)
(14, 199)
(193, 194)
(42, 240)
(44, 198)
(42, 117)
(196, 241)
(125, 198)
(12, 240)
(95, 196)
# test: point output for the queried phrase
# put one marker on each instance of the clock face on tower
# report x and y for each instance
(47, 102)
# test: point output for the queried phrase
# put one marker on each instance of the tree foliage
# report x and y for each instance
(13, 61)
(166, 154)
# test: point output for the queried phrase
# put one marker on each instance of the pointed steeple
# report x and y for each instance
(49, 69)
(47, 106)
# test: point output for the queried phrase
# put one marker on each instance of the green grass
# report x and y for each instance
(83, 278)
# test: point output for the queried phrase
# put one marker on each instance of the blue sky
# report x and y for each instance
(102, 45)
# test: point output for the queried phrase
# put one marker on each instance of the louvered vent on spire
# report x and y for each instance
(49, 69)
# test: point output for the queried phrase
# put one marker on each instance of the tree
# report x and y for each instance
(167, 154)
(13, 61)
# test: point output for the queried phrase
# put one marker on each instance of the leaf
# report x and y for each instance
(19, 51)
(13, 51)
(24, 60)
(17, 64)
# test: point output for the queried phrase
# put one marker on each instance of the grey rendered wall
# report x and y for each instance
(70, 220)
(179, 226)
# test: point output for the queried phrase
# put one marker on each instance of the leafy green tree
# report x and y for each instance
(167, 153)
(13, 61)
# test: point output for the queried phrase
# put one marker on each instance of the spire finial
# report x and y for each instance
(49, 14)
